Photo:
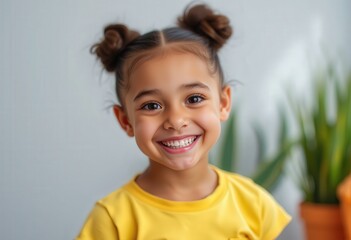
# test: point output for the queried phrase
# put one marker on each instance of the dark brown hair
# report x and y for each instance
(200, 31)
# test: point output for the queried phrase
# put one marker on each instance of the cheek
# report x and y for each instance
(210, 122)
(144, 130)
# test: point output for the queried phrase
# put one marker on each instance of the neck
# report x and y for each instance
(185, 185)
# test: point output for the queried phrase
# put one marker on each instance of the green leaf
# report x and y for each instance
(325, 141)
(227, 159)
(261, 143)
(283, 128)
(269, 172)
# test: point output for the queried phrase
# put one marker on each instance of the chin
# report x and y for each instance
(181, 166)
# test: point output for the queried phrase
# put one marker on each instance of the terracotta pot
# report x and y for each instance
(322, 221)
(346, 213)
(344, 194)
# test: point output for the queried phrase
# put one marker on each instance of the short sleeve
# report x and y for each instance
(98, 226)
(273, 217)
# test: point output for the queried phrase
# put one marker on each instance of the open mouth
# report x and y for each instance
(182, 143)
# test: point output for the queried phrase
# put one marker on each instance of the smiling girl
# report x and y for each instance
(172, 100)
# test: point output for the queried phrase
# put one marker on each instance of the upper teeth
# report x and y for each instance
(179, 144)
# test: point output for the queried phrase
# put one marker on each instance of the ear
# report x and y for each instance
(225, 102)
(123, 120)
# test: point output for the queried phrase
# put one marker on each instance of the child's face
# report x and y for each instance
(174, 108)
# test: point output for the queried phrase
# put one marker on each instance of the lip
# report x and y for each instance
(181, 149)
(176, 138)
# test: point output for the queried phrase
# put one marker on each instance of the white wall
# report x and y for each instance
(60, 150)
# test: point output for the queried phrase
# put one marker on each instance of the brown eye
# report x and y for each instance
(195, 99)
(151, 106)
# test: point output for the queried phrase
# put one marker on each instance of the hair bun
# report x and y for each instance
(203, 21)
(116, 37)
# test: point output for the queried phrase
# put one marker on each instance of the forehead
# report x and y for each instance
(171, 69)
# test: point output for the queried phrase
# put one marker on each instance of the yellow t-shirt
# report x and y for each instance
(237, 209)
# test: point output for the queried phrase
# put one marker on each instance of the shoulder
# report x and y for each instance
(112, 216)
(101, 222)
(247, 189)
(256, 202)
(117, 198)
(238, 182)
(237, 178)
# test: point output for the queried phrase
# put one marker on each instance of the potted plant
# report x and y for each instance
(344, 194)
(268, 168)
(325, 143)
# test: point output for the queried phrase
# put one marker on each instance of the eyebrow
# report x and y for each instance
(195, 85)
(146, 92)
(184, 86)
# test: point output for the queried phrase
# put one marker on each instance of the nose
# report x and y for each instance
(176, 119)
